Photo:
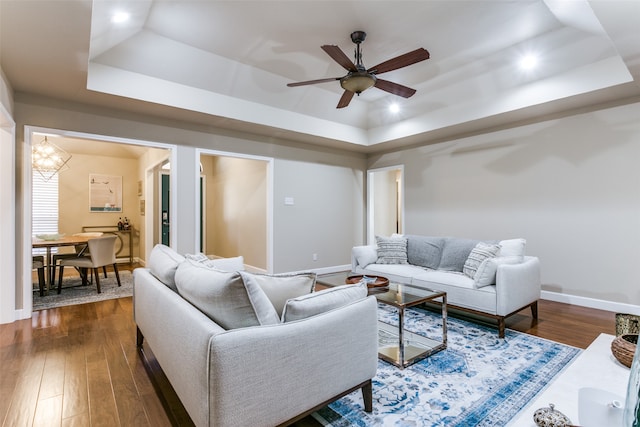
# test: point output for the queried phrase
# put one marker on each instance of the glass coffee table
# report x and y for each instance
(396, 345)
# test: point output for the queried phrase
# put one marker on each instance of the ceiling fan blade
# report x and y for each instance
(345, 99)
(312, 82)
(400, 61)
(394, 88)
(339, 56)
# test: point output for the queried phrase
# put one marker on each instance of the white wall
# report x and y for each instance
(569, 186)
(7, 200)
(326, 217)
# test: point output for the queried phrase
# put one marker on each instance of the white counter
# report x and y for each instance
(595, 367)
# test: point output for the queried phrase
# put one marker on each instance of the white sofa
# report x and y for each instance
(493, 279)
(269, 374)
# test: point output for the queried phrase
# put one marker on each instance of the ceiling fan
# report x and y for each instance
(359, 79)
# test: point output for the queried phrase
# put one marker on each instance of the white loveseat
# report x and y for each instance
(494, 279)
(245, 374)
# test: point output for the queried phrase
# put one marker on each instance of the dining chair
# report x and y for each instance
(37, 263)
(102, 252)
(79, 250)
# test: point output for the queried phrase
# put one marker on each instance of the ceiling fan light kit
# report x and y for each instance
(359, 79)
(358, 82)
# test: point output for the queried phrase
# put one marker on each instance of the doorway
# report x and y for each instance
(385, 202)
(142, 155)
(165, 197)
(236, 206)
(165, 208)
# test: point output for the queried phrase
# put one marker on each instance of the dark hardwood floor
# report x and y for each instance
(79, 366)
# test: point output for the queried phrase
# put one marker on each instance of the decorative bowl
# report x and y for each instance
(54, 236)
(371, 281)
(624, 348)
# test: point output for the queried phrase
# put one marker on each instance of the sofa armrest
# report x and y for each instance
(361, 256)
(517, 285)
(269, 374)
(179, 335)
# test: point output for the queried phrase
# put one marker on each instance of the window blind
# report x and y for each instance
(44, 205)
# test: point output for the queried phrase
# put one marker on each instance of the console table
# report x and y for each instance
(595, 367)
(113, 229)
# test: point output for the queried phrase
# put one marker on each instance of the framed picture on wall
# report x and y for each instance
(105, 193)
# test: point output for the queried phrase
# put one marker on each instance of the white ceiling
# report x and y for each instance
(227, 63)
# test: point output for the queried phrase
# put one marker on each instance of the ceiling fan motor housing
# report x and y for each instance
(358, 36)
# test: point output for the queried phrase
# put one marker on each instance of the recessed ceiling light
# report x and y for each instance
(119, 17)
(528, 61)
(394, 108)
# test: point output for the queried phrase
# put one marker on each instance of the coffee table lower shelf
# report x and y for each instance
(416, 347)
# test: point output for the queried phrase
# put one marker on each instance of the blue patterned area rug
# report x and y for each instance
(479, 380)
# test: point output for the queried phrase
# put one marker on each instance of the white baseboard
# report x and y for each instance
(326, 270)
(616, 307)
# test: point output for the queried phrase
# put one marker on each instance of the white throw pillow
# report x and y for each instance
(512, 247)
(365, 255)
(392, 250)
(224, 297)
(322, 301)
(486, 273)
(478, 254)
(163, 262)
(223, 264)
(281, 287)
(229, 264)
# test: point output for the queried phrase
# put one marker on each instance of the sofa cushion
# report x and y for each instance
(162, 264)
(322, 301)
(392, 250)
(512, 247)
(455, 253)
(486, 273)
(281, 287)
(224, 296)
(478, 254)
(447, 278)
(224, 264)
(424, 251)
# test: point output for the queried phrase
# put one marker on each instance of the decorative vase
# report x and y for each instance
(550, 417)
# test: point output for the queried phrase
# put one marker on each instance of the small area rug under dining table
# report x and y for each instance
(73, 292)
(479, 380)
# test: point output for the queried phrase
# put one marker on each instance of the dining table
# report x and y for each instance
(56, 242)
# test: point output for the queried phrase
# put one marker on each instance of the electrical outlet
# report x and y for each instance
(315, 257)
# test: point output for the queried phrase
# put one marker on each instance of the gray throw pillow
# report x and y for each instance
(479, 253)
(323, 301)
(424, 251)
(392, 250)
(281, 287)
(455, 253)
(224, 297)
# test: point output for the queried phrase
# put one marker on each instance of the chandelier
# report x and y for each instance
(49, 159)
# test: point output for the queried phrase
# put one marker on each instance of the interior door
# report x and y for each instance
(202, 217)
(164, 209)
